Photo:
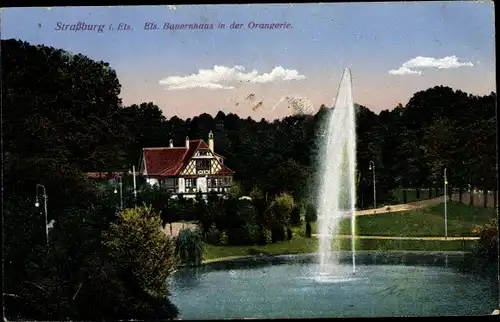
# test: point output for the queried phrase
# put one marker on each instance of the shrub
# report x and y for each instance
(278, 234)
(295, 216)
(488, 239)
(311, 214)
(223, 238)
(189, 247)
(137, 264)
(289, 233)
(213, 236)
(308, 230)
(266, 236)
(251, 233)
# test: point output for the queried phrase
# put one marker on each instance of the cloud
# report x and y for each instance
(411, 66)
(221, 77)
(404, 71)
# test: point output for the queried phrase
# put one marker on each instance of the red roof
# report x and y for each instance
(170, 161)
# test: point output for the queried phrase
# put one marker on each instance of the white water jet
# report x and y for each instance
(337, 190)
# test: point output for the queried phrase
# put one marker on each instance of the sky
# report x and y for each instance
(393, 50)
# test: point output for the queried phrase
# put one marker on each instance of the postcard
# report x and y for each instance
(249, 161)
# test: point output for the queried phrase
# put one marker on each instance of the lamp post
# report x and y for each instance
(37, 204)
(372, 167)
(445, 206)
(121, 192)
(135, 184)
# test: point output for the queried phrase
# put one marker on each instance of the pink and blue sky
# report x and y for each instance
(393, 50)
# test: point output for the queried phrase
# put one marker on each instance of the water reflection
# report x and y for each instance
(287, 287)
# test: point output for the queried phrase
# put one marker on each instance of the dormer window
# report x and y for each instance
(203, 164)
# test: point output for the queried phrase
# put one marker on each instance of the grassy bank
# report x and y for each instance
(299, 245)
(418, 223)
(421, 222)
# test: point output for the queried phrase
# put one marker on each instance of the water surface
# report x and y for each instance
(293, 289)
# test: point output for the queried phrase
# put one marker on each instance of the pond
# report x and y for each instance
(384, 285)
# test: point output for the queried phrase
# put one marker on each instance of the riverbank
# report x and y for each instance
(359, 252)
(302, 245)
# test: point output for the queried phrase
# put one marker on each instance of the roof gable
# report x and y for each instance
(163, 161)
(170, 161)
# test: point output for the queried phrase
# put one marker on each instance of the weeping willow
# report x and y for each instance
(189, 247)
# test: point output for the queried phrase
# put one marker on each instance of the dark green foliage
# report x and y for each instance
(62, 117)
(189, 247)
(244, 228)
(266, 236)
(295, 216)
(160, 199)
(202, 215)
(223, 239)
(308, 230)
(311, 214)
(488, 243)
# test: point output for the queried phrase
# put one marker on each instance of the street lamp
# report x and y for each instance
(37, 204)
(445, 205)
(372, 167)
(121, 192)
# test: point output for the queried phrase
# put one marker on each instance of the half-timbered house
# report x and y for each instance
(187, 169)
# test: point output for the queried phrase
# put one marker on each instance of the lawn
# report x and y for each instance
(421, 222)
(417, 223)
(300, 245)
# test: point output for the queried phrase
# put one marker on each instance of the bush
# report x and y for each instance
(250, 233)
(278, 234)
(488, 239)
(295, 216)
(139, 260)
(189, 247)
(289, 233)
(223, 239)
(213, 236)
(216, 237)
(308, 230)
(311, 214)
(266, 237)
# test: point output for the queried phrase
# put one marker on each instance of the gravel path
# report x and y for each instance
(401, 207)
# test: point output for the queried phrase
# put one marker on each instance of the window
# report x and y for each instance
(190, 183)
(171, 182)
(218, 182)
(203, 164)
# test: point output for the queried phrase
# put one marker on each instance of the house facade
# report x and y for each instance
(187, 169)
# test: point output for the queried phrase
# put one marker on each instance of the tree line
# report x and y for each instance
(62, 117)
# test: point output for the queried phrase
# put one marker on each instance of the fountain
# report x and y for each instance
(337, 173)
(294, 286)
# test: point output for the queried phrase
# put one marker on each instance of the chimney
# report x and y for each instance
(211, 141)
(171, 143)
(187, 142)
